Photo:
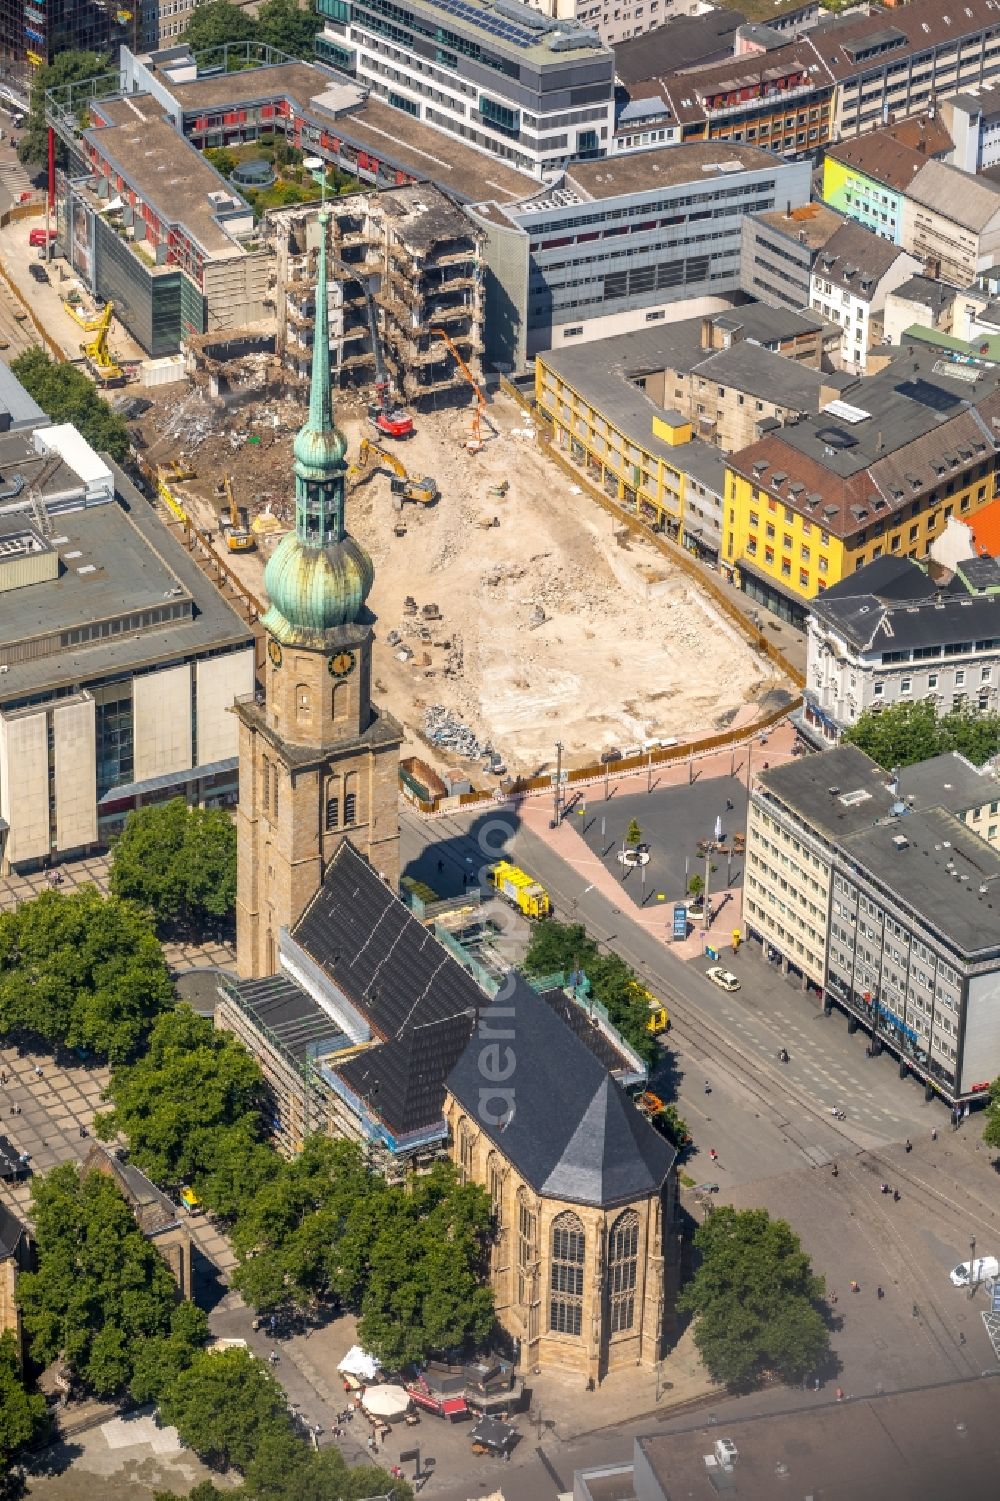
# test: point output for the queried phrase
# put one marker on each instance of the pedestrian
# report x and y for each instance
(440, 866)
(909, 1145)
(713, 1154)
(38, 1070)
(840, 1394)
(855, 1287)
(835, 1170)
(815, 1383)
(274, 1357)
(961, 1339)
(3, 1076)
(833, 1297)
(880, 1293)
(934, 1134)
(708, 1087)
(895, 1196)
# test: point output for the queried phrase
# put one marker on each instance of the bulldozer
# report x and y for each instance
(422, 491)
(239, 537)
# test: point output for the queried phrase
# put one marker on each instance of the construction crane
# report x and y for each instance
(474, 443)
(239, 537)
(99, 357)
(423, 491)
(89, 325)
(391, 421)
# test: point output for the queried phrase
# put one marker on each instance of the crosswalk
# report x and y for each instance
(14, 180)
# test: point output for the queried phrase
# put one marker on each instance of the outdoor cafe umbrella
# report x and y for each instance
(385, 1401)
(493, 1434)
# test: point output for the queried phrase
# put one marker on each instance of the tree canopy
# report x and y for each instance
(101, 1292)
(904, 733)
(566, 947)
(756, 1300)
(66, 394)
(82, 970)
(23, 1414)
(192, 1101)
(66, 67)
(222, 1404)
(278, 23)
(991, 1120)
(409, 1262)
(180, 861)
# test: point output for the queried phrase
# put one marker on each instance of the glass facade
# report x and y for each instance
(113, 735)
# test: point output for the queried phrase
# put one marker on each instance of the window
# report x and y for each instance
(527, 1229)
(878, 689)
(932, 680)
(572, 333)
(566, 1281)
(466, 1141)
(906, 686)
(623, 1253)
(332, 813)
(350, 809)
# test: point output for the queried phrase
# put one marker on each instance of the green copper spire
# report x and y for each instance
(318, 577)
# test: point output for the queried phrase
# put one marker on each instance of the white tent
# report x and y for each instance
(385, 1401)
(359, 1364)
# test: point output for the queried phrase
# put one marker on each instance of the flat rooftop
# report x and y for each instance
(811, 224)
(510, 29)
(704, 162)
(136, 564)
(174, 179)
(923, 1445)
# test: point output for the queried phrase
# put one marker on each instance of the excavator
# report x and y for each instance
(475, 442)
(391, 421)
(423, 491)
(239, 538)
(102, 363)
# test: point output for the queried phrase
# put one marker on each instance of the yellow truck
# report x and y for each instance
(520, 889)
(659, 1017)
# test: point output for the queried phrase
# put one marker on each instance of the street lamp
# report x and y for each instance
(973, 1280)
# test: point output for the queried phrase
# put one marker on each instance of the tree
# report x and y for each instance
(67, 395)
(566, 947)
(179, 861)
(696, 886)
(284, 24)
(216, 22)
(904, 733)
(425, 1290)
(224, 1405)
(101, 1290)
(187, 1102)
(159, 1361)
(67, 67)
(23, 1414)
(755, 1298)
(991, 1123)
(633, 834)
(83, 970)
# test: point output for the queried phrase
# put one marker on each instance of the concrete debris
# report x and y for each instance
(447, 733)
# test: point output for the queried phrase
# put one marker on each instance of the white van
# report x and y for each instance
(976, 1271)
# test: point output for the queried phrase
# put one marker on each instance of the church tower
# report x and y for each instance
(318, 762)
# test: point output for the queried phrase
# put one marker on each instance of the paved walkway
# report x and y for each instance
(656, 916)
(93, 870)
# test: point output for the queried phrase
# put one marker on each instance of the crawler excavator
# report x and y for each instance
(423, 491)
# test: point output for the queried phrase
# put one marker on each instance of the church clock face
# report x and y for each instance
(274, 652)
(342, 665)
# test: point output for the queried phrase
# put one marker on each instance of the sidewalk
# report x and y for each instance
(656, 918)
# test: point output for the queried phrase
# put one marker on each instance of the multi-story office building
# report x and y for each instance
(878, 474)
(851, 278)
(889, 634)
(779, 249)
(33, 33)
(621, 244)
(908, 942)
(534, 91)
(635, 411)
(120, 660)
(972, 119)
(839, 79)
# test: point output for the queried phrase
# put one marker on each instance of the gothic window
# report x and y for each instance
(265, 784)
(623, 1254)
(332, 810)
(341, 700)
(527, 1231)
(274, 791)
(566, 1282)
(495, 1183)
(350, 800)
(466, 1141)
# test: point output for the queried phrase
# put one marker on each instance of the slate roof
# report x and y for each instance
(871, 626)
(573, 1134)
(683, 42)
(882, 159)
(969, 201)
(855, 258)
(12, 1232)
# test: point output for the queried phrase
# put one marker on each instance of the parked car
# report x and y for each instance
(723, 978)
(975, 1271)
(38, 272)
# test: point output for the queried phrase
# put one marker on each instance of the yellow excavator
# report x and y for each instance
(105, 368)
(423, 491)
(239, 538)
